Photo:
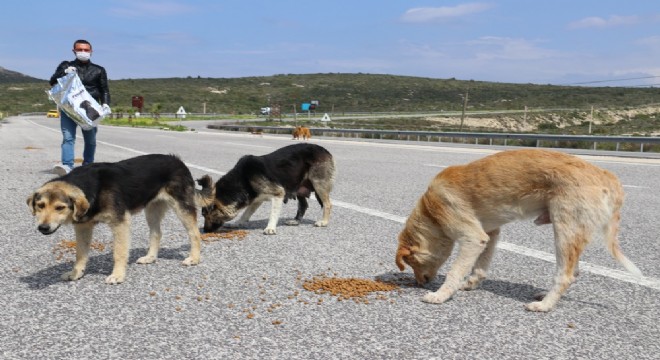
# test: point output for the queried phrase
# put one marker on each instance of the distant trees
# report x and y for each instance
(156, 109)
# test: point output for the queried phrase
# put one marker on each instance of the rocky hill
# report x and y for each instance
(643, 120)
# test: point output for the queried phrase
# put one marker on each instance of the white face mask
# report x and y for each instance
(83, 56)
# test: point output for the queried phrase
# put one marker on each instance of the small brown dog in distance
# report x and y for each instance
(301, 131)
(468, 204)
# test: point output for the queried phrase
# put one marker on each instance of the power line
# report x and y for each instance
(645, 85)
(613, 80)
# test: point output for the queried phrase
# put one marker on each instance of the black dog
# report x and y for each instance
(292, 172)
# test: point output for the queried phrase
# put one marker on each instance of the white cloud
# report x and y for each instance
(598, 22)
(421, 15)
(651, 41)
(492, 47)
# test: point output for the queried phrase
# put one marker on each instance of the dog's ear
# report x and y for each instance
(204, 197)
(80, 206)
(400, 253)
(205, 181)
(30, 203)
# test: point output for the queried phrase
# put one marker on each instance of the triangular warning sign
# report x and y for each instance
(325, 117)
(181, 111)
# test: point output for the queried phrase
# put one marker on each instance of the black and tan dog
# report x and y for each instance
(292, 172)
(110, 193)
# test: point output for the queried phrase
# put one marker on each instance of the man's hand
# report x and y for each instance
(106, 109)
(70, 69)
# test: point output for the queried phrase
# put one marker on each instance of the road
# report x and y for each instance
(245, 299)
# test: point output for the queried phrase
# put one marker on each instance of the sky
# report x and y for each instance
(560, 42)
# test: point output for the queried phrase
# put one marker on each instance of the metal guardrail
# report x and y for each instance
(438, 136)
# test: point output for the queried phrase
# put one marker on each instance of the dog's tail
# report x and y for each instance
(612, 244)
(623, 260)
(204, 197)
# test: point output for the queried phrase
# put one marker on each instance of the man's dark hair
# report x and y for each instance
(81, 41)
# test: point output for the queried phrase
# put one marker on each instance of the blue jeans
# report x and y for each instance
(69, 141)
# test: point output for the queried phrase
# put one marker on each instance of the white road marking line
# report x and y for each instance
(372, 212)
(198, 167)
(646, 281)
(621, 275)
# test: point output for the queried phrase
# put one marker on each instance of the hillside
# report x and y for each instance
(367, 92)
(339, 93)
(13, 77)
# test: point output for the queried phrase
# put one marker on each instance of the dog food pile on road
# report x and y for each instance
(69, 247)
(348, 288)
(222, 234)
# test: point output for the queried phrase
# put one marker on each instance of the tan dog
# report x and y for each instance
(301, 131)
(110, 193)
(468, 204)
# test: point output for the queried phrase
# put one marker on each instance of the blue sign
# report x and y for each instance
(305, 106)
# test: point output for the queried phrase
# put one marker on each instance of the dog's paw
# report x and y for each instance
(189, 261)
(435, 298)
(72, 275)
(471, 283)
(321, 223)
(114, 279)
(292, 222)
(270, 231)
(146, 260)
(538, 306)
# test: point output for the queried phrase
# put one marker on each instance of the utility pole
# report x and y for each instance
(465, 101)
(591, 118)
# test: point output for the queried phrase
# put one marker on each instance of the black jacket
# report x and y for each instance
(92, 76)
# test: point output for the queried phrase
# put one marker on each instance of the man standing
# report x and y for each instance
(95, 80)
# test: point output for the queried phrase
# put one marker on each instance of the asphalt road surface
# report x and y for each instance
(245, 300)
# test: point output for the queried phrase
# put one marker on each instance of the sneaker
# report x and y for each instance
(61, 170)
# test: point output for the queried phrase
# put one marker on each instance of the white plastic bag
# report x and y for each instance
(71, 97)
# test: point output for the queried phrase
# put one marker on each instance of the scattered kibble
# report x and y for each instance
(347, 288)
(225, 234)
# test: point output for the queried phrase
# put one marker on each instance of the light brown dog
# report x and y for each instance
(468, 204)
(301, 131)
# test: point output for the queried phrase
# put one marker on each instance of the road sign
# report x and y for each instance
(325, 117)
(181, 112)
